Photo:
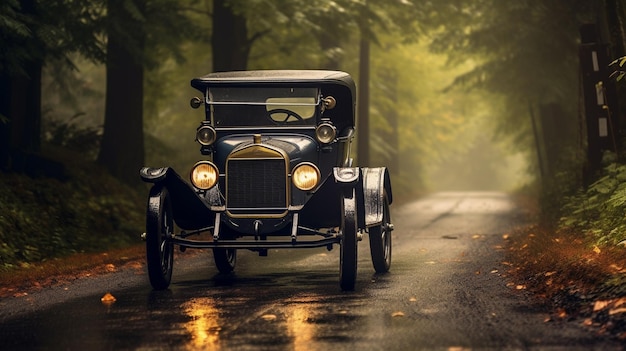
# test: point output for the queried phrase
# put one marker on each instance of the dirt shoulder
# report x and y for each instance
(576, 281)
(34, 277)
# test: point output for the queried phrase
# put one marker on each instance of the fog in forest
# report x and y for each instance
(460, 91)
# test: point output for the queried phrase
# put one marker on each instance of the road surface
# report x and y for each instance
(447, 290)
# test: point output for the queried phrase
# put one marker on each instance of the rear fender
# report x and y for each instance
(376, 183)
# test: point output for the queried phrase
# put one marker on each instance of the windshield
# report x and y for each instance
(245, 106)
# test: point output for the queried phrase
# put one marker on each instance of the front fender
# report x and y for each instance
(190, 210)
(348, 178)
(376, 185)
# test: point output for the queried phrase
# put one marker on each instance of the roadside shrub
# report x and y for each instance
(600, 209)
(43, 218)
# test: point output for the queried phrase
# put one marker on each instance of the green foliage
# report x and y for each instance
(43, 218)
(50, 29)
(600, 210)
(617, 64)
(71, 135)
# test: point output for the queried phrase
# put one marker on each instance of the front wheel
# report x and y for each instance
(348, 250)
(225, 259)
(380, 241)
(159, 227)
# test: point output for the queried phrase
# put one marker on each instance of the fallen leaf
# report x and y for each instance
(588, 322)
(600, 305)
(617, 310)
(562, 314)
(413, 299)
(494, 271)
(597, 250)
(269, 317)
(398, 314)
(547, 274)
(108, 299)
(505, 236)
(520, 287)
(620, 301)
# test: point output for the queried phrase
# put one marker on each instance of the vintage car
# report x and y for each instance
(275, 173)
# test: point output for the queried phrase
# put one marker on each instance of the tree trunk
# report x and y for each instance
(330, 41)
(122, 148)
(229, 42)
(391, 115)
(363, 123)
(21, 131)
(20, 108)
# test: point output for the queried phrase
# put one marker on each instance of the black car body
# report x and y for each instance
(275, 172)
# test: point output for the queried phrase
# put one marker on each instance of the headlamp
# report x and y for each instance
(204, 175)
(305, 176)
(325, 133)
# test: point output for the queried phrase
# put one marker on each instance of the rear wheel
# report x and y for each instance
(159, 227)
(380, 241)
(348, 250)
(225, 259)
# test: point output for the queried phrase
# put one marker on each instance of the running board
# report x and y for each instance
(247, 244)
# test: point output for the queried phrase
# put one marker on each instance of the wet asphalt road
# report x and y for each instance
(447, 290)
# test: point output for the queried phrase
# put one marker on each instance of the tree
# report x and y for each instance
(229, 39)
(134, 27)
(121, 150)
(32, 35)
(527, 52)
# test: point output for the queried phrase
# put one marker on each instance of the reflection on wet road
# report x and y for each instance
(446, 291)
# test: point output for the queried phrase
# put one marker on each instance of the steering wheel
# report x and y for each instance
(288, 114)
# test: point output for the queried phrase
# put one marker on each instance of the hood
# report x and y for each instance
(298, 147)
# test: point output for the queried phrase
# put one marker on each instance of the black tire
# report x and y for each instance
(225, 260)
(348, 249)
(380, 241)
(159, 226)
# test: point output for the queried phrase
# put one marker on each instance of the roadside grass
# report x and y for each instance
(576, 279)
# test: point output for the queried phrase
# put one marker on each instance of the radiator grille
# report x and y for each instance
(256, 183)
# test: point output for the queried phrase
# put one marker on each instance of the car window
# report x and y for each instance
(290, 109)
(273, 106)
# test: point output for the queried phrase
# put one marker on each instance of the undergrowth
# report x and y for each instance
(576, 279)
(599, 211)
(88, 211)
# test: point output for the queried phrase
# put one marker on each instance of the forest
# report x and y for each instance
(453, 95)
